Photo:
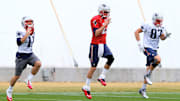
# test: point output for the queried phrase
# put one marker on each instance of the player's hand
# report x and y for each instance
(168, 35)
(107, 21)
(141, 47)
(30, 30)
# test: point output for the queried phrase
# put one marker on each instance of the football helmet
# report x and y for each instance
(28, 22)
(104, 10)
(25, 21)
(157, 19)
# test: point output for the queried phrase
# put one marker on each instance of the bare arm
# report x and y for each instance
(100, 30)
(137, 32)
(164, 37)
(137, 36)
(28, 31)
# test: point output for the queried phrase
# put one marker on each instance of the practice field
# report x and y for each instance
(72, 92)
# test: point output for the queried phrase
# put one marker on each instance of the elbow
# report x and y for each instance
(136, 33)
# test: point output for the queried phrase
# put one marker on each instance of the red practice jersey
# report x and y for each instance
(97, 22)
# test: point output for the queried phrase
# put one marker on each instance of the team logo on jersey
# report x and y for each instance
(95, 22)
(19, 33)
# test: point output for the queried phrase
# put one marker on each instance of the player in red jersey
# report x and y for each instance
(98, 47)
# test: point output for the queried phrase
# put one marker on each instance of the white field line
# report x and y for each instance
(35, 99)
(139, 97)
(99, 93)
(99, 96)
(105, 94)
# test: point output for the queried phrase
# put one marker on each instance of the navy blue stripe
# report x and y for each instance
(19, 41)
(94, 30)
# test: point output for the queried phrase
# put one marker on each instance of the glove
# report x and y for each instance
(141, 47)
(168, 35)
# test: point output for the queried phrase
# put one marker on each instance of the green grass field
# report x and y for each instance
(97, 96)
(72, 92)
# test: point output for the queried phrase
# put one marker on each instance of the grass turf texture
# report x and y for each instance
(72, 92)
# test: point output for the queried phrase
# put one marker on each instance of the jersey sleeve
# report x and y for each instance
(18, 34)
(144, 27)
(18, 37)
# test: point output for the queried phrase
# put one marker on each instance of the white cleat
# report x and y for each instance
(9, 94)
(148, 80)
(143, 93)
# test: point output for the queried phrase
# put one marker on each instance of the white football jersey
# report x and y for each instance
(25, 47)
(152, 35)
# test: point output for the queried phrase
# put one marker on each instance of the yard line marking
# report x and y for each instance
(44, 99)
(75, 93)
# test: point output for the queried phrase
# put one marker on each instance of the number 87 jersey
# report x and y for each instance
(152, 35)
(25, 47)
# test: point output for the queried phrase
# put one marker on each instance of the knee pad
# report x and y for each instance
(110, 59)
(154, 63)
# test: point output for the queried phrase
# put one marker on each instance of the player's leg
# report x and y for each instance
(149, 59)
(86, 88)
(20, 66)
(93, 56)
(154, 61)
(108, 55)
(9, 91)
(36, 63)
(147, 76)
(142, 91)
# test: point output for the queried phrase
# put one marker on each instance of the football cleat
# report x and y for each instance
(9, 95)
(87, 93)
(148, 80)
(102, 81)
(143, 93)
(29, 84)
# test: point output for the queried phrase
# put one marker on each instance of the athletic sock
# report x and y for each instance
(30, 76)
(10, 88)
(149, 72)
(144, 86)
(88, 81)
(103, 74)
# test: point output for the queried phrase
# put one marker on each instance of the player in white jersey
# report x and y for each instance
(24, 55)
(152, 33)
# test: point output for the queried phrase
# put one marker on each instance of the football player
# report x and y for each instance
(152, 33)
(24, 55)
(98, 47)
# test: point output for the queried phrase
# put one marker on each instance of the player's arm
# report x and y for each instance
(100, 30)
(164, 37)
(137, 32)
(22, 40)
(137, 36)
